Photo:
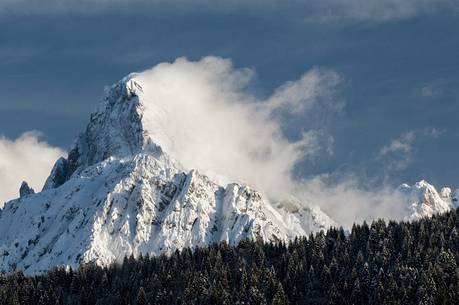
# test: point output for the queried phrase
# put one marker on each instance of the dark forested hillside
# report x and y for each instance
(394, 263)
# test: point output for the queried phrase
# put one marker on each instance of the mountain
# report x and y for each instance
(118, 193)
(423, 200)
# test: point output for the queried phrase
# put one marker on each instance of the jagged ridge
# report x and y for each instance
(423, 200)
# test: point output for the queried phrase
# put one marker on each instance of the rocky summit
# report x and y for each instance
(118, 193)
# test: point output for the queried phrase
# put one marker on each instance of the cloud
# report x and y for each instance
(26, 158)
(204, 115)
(402, 144)
(348, 202)
(378, 10)
(430, 91)
(398, 154)
(303, 94)
(313, 10)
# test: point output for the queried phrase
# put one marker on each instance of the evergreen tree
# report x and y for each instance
(141, 297)
(394, 264)
(279, 296)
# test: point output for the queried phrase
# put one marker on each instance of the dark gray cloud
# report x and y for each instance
(313, 10)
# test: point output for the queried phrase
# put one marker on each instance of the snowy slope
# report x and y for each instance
(118, 193)
(424, 200)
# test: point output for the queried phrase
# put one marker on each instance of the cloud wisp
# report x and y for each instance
(26, 158)
(398, 154)
(377, 10)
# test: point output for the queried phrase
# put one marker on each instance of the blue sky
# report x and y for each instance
(399, 62)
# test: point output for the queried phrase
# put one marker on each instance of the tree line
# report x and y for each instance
(378, 263)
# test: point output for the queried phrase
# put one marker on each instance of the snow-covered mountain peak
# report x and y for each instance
(119, 193)
(425, 201)
(115, 130)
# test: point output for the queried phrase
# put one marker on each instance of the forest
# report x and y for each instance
(378, 263)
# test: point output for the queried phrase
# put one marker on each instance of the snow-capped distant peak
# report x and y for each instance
(424, 200)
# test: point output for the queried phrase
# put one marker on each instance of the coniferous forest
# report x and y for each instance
(382, 263)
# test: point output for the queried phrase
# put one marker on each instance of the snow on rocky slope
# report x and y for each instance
(118, 193)
(424, 200)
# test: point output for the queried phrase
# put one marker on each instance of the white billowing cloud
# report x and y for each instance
(203, 114)
(347, 202)
(24, 159)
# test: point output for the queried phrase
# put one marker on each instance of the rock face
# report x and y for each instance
(425, 201)
(25, 190)
(118, 193)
